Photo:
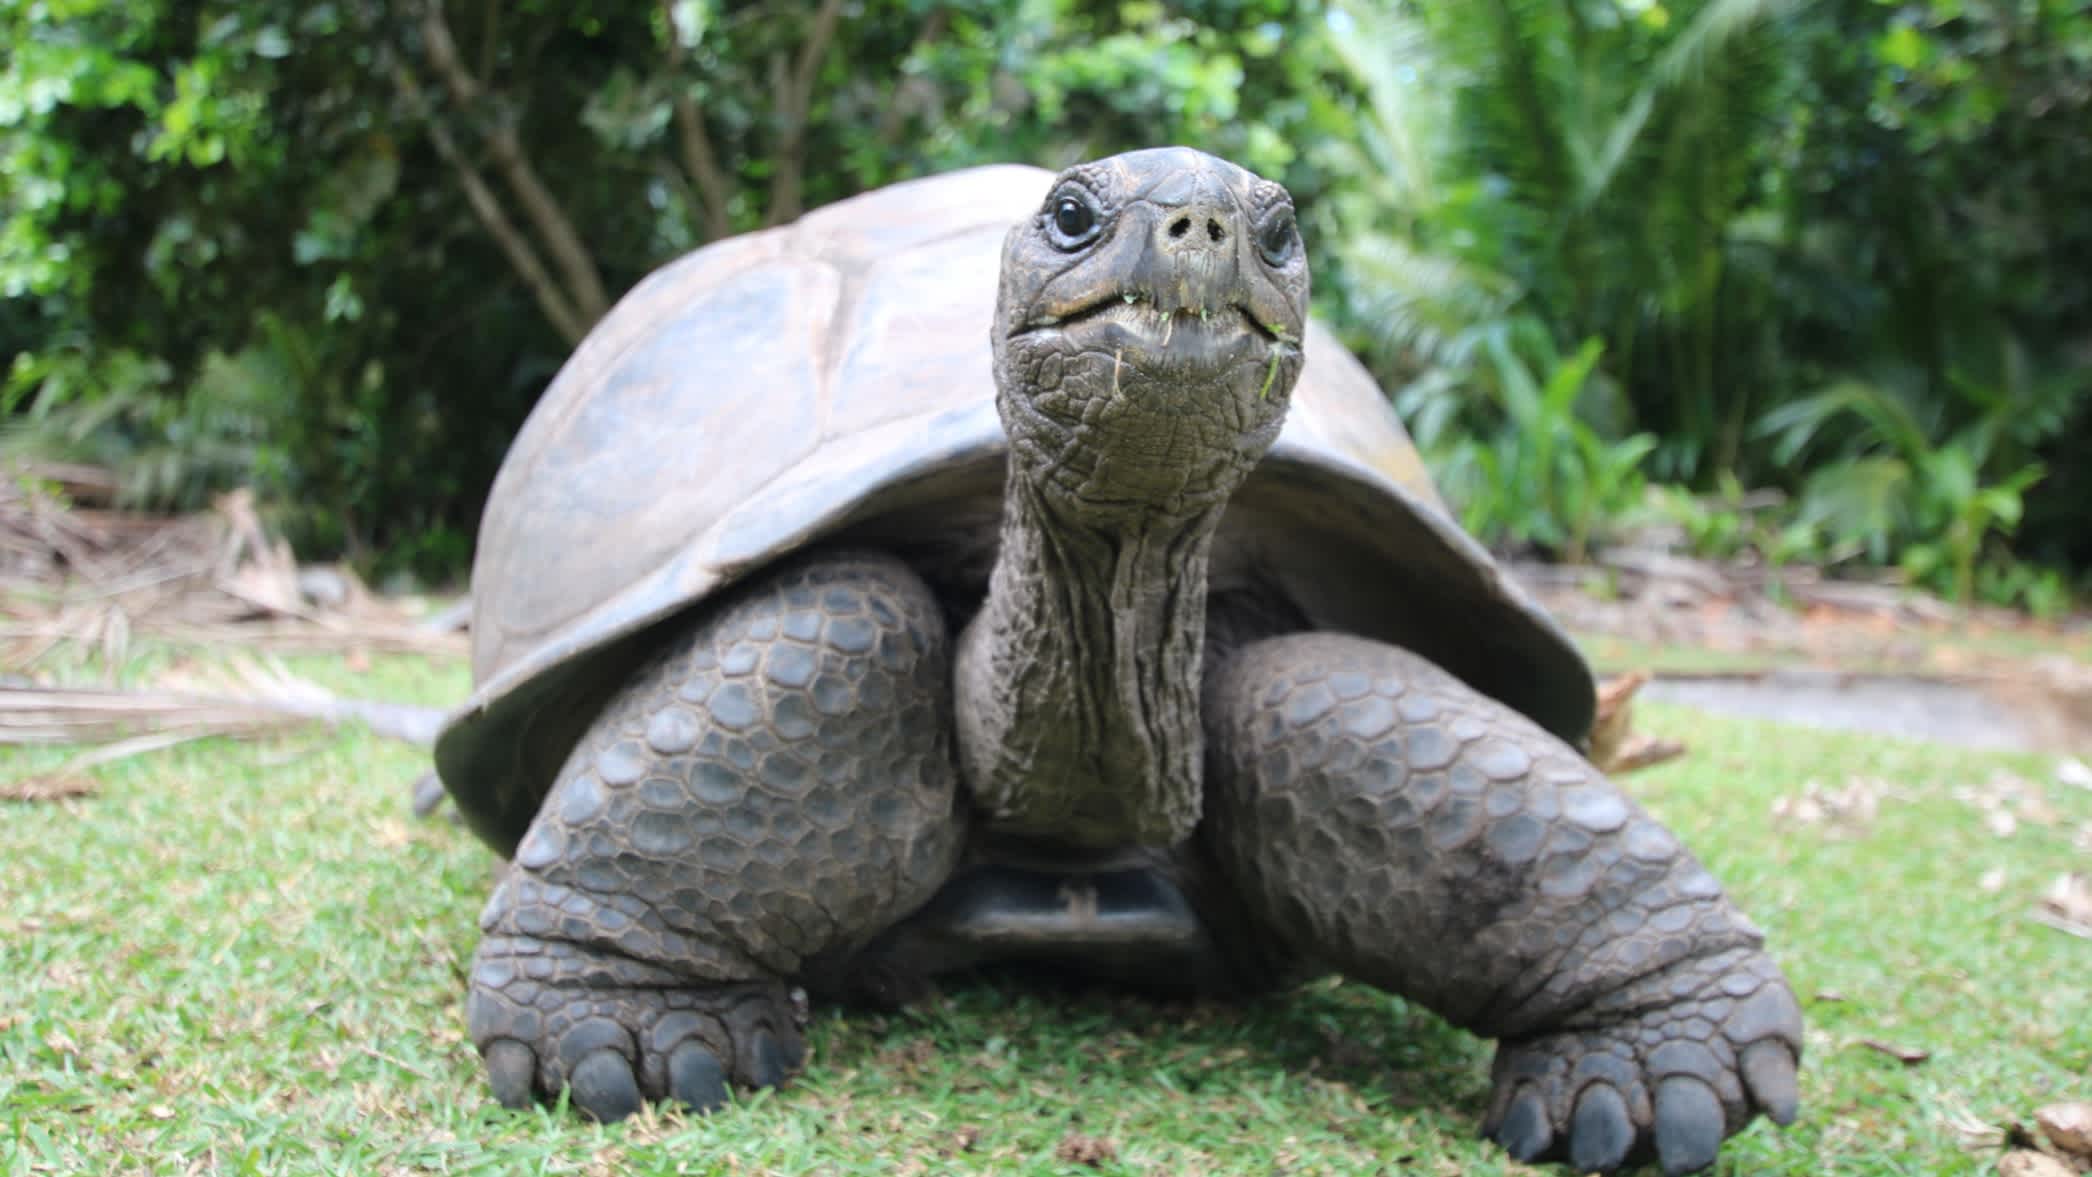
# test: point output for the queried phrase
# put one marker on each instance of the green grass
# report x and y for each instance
(247, 958)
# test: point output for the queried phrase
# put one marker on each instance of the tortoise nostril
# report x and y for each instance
(1181, 227)
(1213, 230)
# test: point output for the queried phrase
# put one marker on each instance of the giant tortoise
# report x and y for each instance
(1004, 568)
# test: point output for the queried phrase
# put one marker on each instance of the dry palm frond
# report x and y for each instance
(96, 577)
(242, 698)
(53, 787)
(87, 715)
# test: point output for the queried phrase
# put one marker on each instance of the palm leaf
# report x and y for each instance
(1713, 33)
(1391, 56)
(1887, 423)
(1431, 305)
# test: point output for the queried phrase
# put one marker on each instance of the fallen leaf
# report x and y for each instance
(2007, 799)
(2067, 905)
(1094, 1151)
(2027, 1163)
(1909, 1056)
(2072, 771)
(1972, 1132)
(1615, 747)
(1845, 811)
(1993, 880)
(160, 1111)
(2038, 811)
(1615, 694)
(2068, 1126)
(56, 787)
(1641, 751)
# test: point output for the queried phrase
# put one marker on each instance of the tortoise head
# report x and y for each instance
(1147, 331)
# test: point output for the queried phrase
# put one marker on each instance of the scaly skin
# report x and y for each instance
(777, 787)
(1377, 815)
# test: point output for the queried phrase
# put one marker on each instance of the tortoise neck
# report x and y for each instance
(1079, 680)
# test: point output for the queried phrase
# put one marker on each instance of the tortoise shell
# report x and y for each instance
(829, 381)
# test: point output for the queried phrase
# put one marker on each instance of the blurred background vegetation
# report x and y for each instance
(1801, 282)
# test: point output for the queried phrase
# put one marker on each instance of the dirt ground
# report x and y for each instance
(1865, 656)
(1785, 644)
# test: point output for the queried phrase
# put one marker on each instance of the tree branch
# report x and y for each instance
(714, 190)
(578, 270)
(514, 245)
(490, 39)
(895, 116)
(798, 96)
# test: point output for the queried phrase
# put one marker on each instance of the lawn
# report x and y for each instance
(248, 958)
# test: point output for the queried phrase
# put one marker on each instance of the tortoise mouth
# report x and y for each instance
(1138, 310)
(1183, 338)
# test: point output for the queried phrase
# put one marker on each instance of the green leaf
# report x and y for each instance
(1902, 46)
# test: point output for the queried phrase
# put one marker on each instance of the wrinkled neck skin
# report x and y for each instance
(1079, 679)
(1078, 682)
(1146, 341)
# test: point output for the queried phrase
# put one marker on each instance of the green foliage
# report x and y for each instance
(1534, 473)
(1732, 523)
(1896, 490)
(336, 250)
(1748, 203)
(1584, 168)
(1934, 209)
(253, 240)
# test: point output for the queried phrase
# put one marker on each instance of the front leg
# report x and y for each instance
(1378, 815)
(774, 790)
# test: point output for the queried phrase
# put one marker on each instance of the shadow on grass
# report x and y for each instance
(1394, 1054)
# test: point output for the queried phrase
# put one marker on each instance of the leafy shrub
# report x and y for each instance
(338, 249)
(1894, 489)
(1528, 469)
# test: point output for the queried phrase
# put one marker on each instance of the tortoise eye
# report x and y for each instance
(1275, 240)
(1074, 220)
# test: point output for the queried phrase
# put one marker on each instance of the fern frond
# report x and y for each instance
(1431, 305)
(1407, 86)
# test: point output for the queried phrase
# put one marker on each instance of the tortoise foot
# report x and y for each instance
(1711, 1044)
(550, 1017)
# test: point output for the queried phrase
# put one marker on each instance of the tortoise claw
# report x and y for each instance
(1768, 1070)
(612, 1048)
(1525, 1133)
(769, 1067)
(695, 1077)
(1715, 1045)
(512, 1070)
(603, 1088)
(1689, 1125)
(1601, 1132)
